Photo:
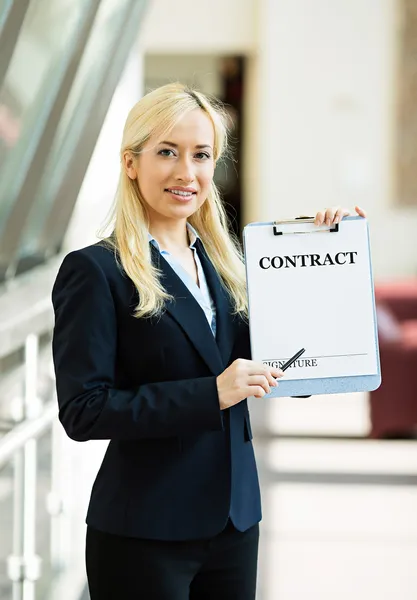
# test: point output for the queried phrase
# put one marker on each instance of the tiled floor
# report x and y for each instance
(350, 540)
(340, 516)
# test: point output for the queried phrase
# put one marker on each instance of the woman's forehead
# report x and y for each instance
(193, 129)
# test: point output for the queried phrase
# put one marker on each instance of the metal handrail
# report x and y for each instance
(20, 317)
(27, 430)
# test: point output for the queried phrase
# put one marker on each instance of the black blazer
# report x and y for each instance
(177, 466)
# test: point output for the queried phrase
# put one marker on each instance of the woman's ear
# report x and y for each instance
(129, 165)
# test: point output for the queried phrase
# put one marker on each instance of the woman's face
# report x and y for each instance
(174, 173)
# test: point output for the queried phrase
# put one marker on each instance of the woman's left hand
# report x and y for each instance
(331, 216)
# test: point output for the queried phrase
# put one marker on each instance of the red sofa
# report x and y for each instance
(393, 406)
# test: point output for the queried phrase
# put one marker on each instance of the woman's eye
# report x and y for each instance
(166, 152)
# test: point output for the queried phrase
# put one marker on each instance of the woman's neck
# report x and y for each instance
(170, 236)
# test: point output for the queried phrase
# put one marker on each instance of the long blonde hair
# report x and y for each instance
(158, 112)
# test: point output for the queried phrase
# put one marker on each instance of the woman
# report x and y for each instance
(151, 351)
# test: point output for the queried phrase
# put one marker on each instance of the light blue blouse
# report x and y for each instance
(201, 293)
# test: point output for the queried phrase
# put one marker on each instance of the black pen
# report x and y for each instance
(292, 359)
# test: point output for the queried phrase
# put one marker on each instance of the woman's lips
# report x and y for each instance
(181, 198)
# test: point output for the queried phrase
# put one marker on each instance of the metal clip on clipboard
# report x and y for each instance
(333, 229)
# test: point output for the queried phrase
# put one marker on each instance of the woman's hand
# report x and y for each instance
(331, 216)
(245, 378)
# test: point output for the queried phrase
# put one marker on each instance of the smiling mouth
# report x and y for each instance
(181, 193)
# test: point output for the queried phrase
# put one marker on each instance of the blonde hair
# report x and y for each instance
(158, 112)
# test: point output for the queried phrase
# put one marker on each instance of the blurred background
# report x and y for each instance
(322, 99)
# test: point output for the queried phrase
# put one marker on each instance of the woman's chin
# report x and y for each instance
(182, 212)
(175, 211)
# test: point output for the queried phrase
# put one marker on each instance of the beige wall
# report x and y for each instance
(326, 118)
(198, 70)
(321, 105)
(208, 26)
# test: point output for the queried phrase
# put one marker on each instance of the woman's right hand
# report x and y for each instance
(245, 378)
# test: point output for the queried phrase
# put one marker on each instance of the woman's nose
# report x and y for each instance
(185, 171)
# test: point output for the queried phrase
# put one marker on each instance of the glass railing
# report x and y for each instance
(6, 522)
(64, 69)
(71, 128)
(27, 517)
(5, 7)
(46, 36)
(39, 569)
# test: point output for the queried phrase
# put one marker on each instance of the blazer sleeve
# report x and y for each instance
(84, 353)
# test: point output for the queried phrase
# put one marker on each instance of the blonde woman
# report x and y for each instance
(151, 351)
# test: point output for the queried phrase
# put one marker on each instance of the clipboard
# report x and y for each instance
(276, 234)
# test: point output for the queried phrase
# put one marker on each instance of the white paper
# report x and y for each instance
(328, 309)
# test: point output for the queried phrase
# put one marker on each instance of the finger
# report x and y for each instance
(269, 374)
(331, 214)
(360, 211)
(267, 378)
(340, 214)
(319, 219)
(260, 380)
(257, 368)
(255, 390)
(276, 374)
(273, 374)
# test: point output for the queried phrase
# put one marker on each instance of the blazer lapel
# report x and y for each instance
(189, 315)
(224, 319)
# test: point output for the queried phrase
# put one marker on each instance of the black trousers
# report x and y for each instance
(221, 568)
